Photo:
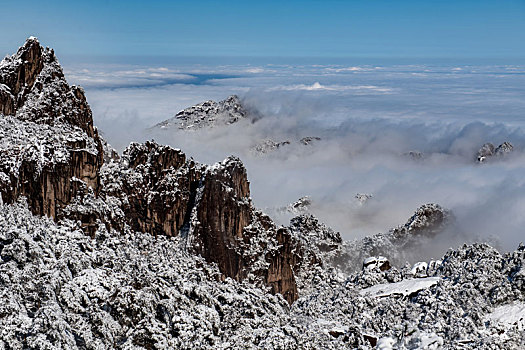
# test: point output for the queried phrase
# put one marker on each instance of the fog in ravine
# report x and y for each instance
(369, 117)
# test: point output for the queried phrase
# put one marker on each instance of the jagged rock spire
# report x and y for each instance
(207, 114)
(50, 149)
(33, 87)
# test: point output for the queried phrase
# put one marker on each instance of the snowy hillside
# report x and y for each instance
(63, 289)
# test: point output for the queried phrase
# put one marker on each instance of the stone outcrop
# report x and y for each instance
(319, 248)
(376, 262)
(504, 148)
(267, 146)
(19, 73)
(162, 192)
(300, 206)
(242, 241)
(363, 198)
(52, 187)
(428, 220)
(414, 155)
(50, 149)
(51, 154)
(488, 151)
(34, 88)
(155, 186)
(206, 114)
(308, 140)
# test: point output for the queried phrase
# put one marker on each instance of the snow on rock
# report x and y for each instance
(488, 151)
(43, 145)
(300, 206)
(429, 219)
(155, 189)
(206, 114)
(53, 156)
(415, 155)
(362, 198)
(268, 146)
(33, 87)
(504, 148)
(49, 149)
(403, 288)
(510, 315)
(110, 154)
(376, 262)
(399, 244)
(309, 140)
(386, 343)
(419, 269)
(62, 289)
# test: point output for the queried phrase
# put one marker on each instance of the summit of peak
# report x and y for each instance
(33, 88)
(207, 114)
(31, 51)
(32, 39)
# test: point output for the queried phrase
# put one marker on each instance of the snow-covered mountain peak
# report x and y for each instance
(33, 88)
(207, 114)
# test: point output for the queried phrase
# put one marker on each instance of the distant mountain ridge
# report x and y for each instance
(207, 114)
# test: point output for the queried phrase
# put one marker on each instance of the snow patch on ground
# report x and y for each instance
(404, 288)
(509, 315)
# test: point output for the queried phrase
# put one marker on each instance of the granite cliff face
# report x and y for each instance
(50, 149)
(53, 156)
(243, 241)
(154, 185)
(161, 192)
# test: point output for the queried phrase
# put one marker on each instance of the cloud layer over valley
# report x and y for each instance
(368, 119)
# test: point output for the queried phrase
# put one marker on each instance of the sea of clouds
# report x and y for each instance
(368, 118)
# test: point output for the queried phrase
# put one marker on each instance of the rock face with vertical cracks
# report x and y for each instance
(161, 192)
(154, 185)
(226, 229)
(51, 154)
(49, 148)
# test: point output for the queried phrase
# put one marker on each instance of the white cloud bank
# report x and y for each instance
(317, 86)
(368, 120)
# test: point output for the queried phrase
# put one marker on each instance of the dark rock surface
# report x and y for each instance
(164, 194)
(49, 140)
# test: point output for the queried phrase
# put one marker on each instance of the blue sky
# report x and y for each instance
(270, 28)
